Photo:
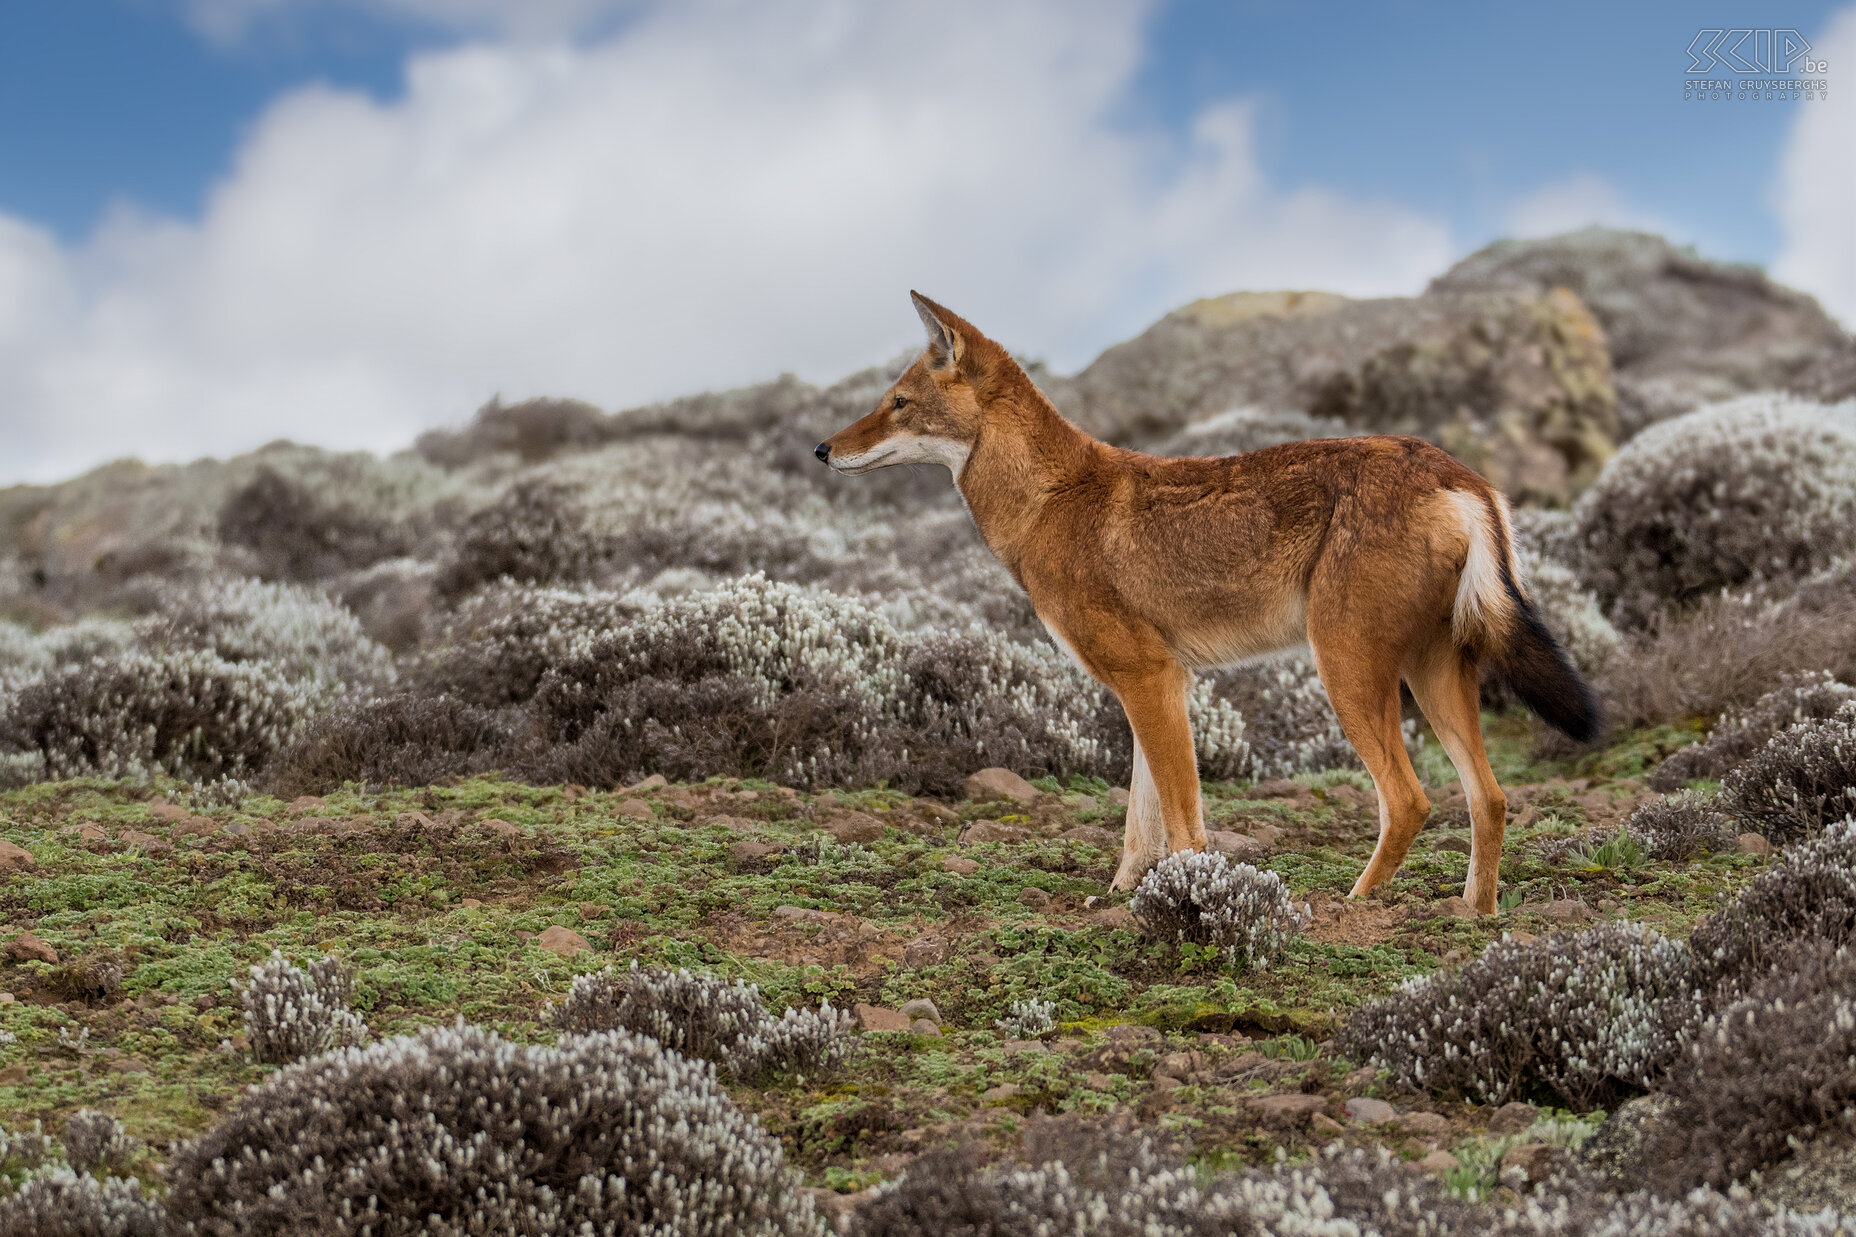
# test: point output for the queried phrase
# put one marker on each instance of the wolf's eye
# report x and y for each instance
(902, 401)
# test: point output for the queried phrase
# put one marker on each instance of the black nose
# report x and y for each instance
(823, 451)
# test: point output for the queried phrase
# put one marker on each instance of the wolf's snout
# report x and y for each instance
(823, 451)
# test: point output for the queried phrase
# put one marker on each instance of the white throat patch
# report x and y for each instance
(905, 449)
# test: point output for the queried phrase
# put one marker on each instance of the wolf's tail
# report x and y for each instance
(1494, 617)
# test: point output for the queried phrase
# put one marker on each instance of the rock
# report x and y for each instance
(1033, 897)
(633, 809)
(999, 1094)
(471, 904)
(1180, 1065)
(1132, 1033)
(1093, 835)
(1269, 835)
(873, 1018)
(7, 998)
(147, 843)
(1753, 844)
(1452, 846)
(1118, 796)
(590, 911)
(1424, 1124)
(989, 784)
(839, 1210)
(303, 804)
(1533, 1162)
(1515, 382)
(1615, 1149)
(1166, 1082)
(15, 858)
(15, 1076)
(1820, 1174)
(1453, 907)
(27, 947)
(1368, 1111)
(1564, 910)
(1279, 788)
(1439, 1162)
(171, 812)
(655, 782)
(1115, 917)
(1086, 803)
(1321, 1123)
(503, 829)
(1513, 1117)
(921, 1007)
(992, 831)
(563, 941)
(960, 866)
(91, 835)
(797, 913)
(197, 827)
(856, 827)
(1239, 846)
(924, 951)
(749, 851)
(1287, 1107)
(921, 1026)
(1682, 330)
(1032, 1046)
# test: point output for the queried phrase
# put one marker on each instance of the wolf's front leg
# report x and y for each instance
(1143, 842)
(1166, 769)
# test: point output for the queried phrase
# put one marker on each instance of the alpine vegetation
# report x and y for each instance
(1681, 826)
(705, 1017)
(58, 1202)
(1803, 778)
(1202, 898)
(1737, 734)
(291, 1013)
(1575, 1019)
(1806, 900)
(457, 1130)
(96, 1141)
(1028, 1019)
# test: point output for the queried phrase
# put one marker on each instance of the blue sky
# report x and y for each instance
(222, 221)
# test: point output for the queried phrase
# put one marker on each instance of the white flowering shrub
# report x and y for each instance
(1202, 898)
(1803, 778)
(1760, 488)
(1578, 1019)
(97, 1141)
(1739, 733)
(706, 1017)
(1805, 900)
(61, 1203)
(1028, 1019)
(1681, 826)
(458, 1130)
(295, 632)
(291, 1013)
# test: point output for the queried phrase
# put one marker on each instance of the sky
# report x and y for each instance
(224, 222)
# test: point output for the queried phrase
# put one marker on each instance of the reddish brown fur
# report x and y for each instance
(1147, 568)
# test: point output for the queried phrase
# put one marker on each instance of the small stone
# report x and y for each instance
(1004, 1091)
(1278, 788)
(1086, 803)
(874, 1018)
(924, 951)
(7, 998)
(147, 843)
(655, 782)
(91, 835)
(1565, 910)
(921, 1007)
(992, 831)
(1181, 1065)
(1753, 844)
(27, 947)
(1118, 797)
(1099, 1081)
(1453, 907)
(1032, 1046)
(937, 813)
(1439, 1162)
(471, 904)
(1424, 1124)
(592, 910)
(794, 912)
(1452, 846)
(921, 1026)
(1133, 1033)
(238, 829)
(633, 809)
(1093, 835)
(15, 858)
(197, 827)
(1239, 846)
(997, 783)
(300, 805)
(748, 851)
(1288, 1107)
(563, 941)
(1534, 1162)
(1365, 1110)
(1269, 835)
(1324, 1124)
(1166, 1082)
(1115, 917)
(1512, 1118)
(1033, 897)
(857, 827)
(170, 812)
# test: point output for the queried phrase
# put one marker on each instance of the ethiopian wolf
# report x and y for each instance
(1385, 555)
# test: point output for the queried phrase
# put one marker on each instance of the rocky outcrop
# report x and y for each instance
(1516, 384)
(1683, 330)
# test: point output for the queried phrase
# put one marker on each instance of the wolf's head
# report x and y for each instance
(932, 413)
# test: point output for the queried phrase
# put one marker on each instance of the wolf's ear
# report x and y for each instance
(943, 336)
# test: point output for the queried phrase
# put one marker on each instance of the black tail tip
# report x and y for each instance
(1544, 678)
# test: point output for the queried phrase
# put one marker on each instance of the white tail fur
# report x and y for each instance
(1482, 602)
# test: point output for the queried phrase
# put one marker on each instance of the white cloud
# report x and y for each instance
(712, 196)
(233, 21)
(1816, 190)
(1581, 200)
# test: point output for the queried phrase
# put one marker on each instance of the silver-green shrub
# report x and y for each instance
(1202, 898)
(291, 1013)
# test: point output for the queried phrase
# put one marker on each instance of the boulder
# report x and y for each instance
(171, 812)
(1286, 1107)
(1753, 844)
(1564, 910)
(1513, 1117)
(563, 941)
(1821, 1174)
(990, 784)
(992, 831)
(921, 1026)
(27, 947)
(924, 951)
(1453, 907)
(1093, 835)
(1239, 846)
(655, 782)
(1532, 1163)
(856, 827)
(921, 1007)
(1368, 1111)
(1424, 1124)
(15, 858)
(1033, 897)
(1615, 1149)
(749, 851)
(873, 1018)
(633, 809)
(1439, 1162)
(1115, 917)
(1118, 797)
(959, 866)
